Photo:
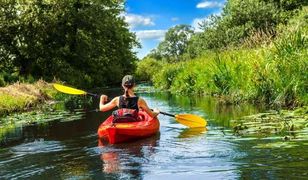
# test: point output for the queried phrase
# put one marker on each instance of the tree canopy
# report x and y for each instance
(239, 22)
(175, 43)
(83, 42)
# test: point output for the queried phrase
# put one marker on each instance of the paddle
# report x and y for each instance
(73, 91)
(189, 120)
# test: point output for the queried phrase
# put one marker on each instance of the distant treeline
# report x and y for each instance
(83, 42)
(256, 51)
(241, 23)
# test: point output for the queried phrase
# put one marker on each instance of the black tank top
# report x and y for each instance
(129, 102)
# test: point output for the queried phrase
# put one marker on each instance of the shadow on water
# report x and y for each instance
(53, 127)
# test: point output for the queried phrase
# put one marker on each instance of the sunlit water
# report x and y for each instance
(62, 149)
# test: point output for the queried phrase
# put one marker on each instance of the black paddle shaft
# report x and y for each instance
(167, 114)
(94, 95)
(164, 113)
(97, 96)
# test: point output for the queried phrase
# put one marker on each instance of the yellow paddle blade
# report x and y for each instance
(191, 120)
(68, 90)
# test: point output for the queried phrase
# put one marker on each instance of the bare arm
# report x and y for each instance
(108, 106)
(142, 104)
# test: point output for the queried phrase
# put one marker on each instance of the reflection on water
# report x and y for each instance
(16, 128)
(111, 162)
(67, 148)
(128, 158)
(192, 132)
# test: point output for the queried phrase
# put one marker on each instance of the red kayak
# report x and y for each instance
(128, 131)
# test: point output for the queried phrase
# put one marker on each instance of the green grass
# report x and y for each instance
(22, 96)
(274, 73)
(10, 103)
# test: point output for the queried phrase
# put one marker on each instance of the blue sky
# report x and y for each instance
(150, 19)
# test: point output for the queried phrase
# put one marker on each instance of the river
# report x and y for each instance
(67, 147)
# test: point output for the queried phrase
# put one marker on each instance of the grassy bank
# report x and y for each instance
(23, 96)
(274, 73)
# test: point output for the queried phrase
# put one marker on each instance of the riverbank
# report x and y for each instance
(23, 96)
(273, 73)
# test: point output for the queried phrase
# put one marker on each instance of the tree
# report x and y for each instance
(174, 44)
(240, 20)
(84, 42)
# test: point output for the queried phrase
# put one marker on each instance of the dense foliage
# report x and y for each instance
(174, 45)
(84, 42)
(239, 22)
(256, 50)
(147, 67)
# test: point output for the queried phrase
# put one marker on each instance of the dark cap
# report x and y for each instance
(128, 81)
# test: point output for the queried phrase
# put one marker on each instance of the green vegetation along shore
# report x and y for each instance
(23, 104)
(24, 96)
(272, 72)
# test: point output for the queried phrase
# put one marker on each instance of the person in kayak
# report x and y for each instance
(128, 101)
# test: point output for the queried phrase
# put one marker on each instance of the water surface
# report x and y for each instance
(67, 148)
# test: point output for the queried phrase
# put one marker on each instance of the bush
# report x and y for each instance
(2, 82)
(165, 77)
(147, 67)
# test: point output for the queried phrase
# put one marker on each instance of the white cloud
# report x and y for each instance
(151, 34)
(210, 4)
(135, 20)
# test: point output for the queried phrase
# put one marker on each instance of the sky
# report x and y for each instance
(151, 19)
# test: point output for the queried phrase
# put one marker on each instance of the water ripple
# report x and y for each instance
(38, 146)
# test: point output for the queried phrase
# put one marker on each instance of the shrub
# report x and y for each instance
(165, 77)
(147, 67)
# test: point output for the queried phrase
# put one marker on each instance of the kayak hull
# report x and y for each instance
(129, 131)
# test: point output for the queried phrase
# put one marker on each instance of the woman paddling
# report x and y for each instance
(129, 101)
